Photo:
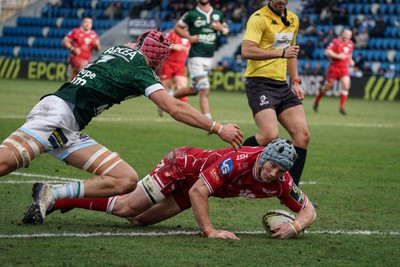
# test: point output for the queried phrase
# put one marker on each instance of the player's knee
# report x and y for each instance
(266, 138)
(201, 83)
(302, 138)
(128, 182)
(17, 151)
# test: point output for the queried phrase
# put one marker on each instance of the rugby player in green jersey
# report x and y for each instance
(201, 27)
(54, 125)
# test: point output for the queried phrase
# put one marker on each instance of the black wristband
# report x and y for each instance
(283, 53)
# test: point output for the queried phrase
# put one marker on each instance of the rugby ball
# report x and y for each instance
(275, 217)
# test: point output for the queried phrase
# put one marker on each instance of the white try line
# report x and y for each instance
(53, 179)
(57, 179)
(176, 233)
(170, 120)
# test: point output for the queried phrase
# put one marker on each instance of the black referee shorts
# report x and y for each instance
(263, 93)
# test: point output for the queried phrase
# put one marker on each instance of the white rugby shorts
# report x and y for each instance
(53, 124)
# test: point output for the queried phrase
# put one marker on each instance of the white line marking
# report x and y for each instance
(57, 179)
(170, 120)
(174, 233)
(45, 176)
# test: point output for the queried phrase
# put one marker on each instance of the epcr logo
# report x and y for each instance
(226, 166)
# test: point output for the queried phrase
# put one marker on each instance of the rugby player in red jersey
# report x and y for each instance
(187, 176)
(81, 41)
(340, 52)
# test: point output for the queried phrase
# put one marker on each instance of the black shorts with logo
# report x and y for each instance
(263, 93)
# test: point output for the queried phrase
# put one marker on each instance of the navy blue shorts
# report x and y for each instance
(263, 93)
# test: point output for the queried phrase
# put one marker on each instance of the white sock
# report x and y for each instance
(111, 203)
(72, 190)
(208, 115)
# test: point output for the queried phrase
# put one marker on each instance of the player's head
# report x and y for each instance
(346, 35)
(155, 46)
(281, 152)
(87, 24)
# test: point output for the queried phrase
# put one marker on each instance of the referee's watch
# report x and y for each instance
(297, 80)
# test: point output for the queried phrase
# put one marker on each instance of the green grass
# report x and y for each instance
(353, 160)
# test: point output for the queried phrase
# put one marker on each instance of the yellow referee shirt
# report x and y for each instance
(267, 30)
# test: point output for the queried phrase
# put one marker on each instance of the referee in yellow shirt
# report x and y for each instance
(269, 44)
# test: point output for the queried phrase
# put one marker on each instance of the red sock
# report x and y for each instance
(99, 204)
(343, 98)
(184, 99)
(318, 97)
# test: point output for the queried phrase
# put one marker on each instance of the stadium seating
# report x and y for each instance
(38, 38)
(381, 51)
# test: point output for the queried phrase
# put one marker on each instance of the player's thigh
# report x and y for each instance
(163, 210)
(99, 160)
(345, 81)
(294, 121)
(181, 81)
(267, 124)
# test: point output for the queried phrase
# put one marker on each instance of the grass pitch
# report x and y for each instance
(352, 172)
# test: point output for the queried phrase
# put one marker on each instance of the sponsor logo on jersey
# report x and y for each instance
(226, 166)
(269, 192)
(246, 193)
(216, 17)
(297, 194)
(215, 175)
(242, 156)
(125, 52)
(282, 40)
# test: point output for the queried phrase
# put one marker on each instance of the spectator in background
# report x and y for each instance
(81, 41)
(390, 72)
(366, 69)
(359, 61)
(355, 72)
(307, 70)
(379, 29)
(329, 37)
(311, 30)
(340, 52)
(318, 69)
(341, 18)
(113, 11)
(307, 49)
(304, 24)
(368, 23)
(362, 39)
(201, 26)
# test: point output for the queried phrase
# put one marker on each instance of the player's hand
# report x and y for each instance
(283, 231)
(232, 134)
(292, 51)
(194, 39)
(298, 90)
(223, 234)
(342, 56)
(177, 47)
(217, 26)
(76, 50)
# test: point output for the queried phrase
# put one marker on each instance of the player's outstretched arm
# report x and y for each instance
(199, 194)
(185, 113)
